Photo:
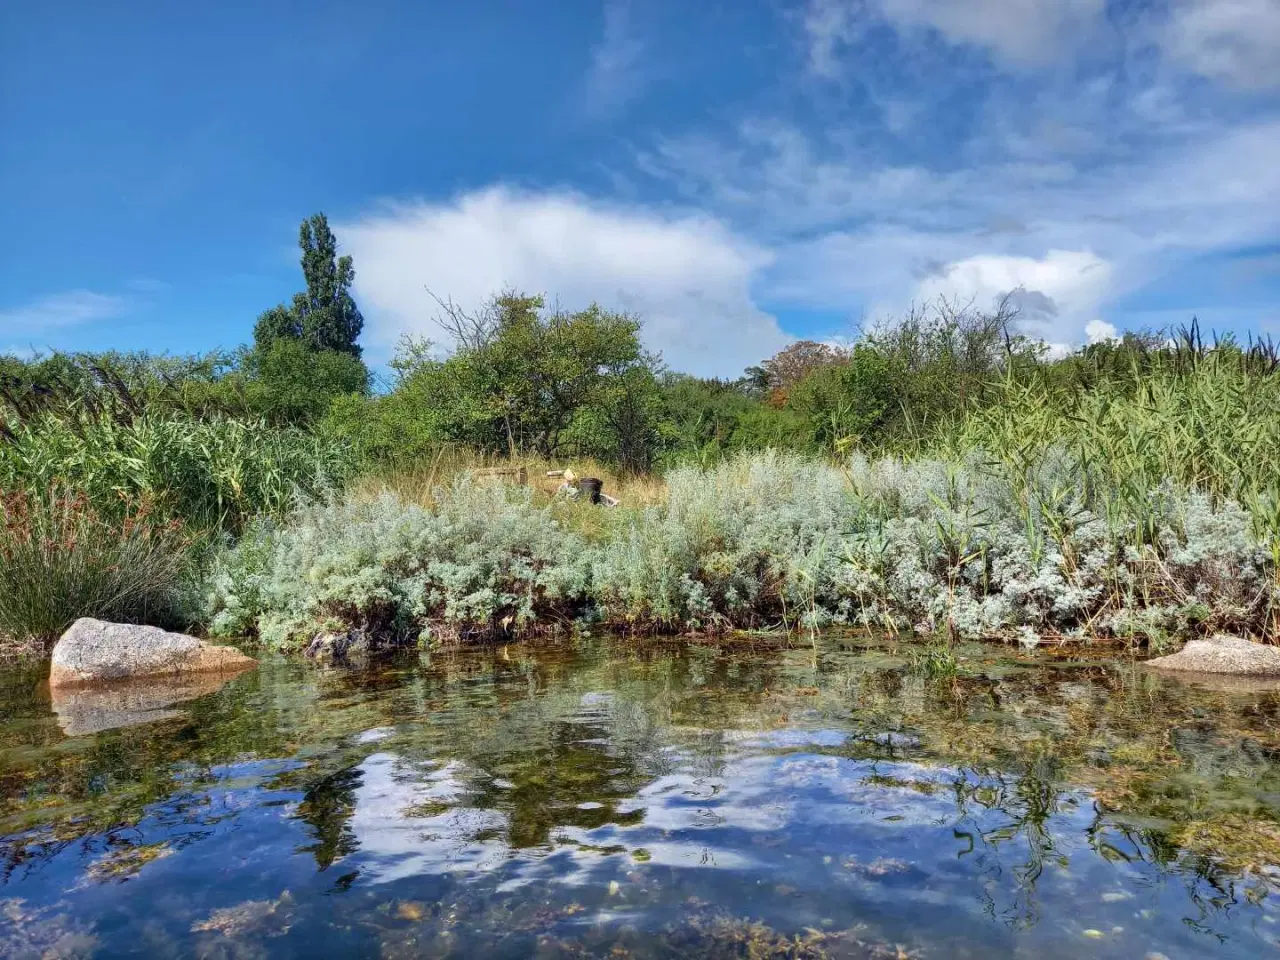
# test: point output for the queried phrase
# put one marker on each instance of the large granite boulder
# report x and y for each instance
(1223, 654)
(92, 651)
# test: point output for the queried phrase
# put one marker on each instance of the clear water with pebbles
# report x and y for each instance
(652, 799)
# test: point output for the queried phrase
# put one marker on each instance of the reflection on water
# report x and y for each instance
(651, 800)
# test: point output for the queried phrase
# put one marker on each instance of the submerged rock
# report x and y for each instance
(1223, 655)
(125, 703)
(92, 651)
(338, 646)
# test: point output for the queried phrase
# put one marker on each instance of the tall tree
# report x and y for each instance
(325, 316)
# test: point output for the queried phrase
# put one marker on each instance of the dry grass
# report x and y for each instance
(418, 484)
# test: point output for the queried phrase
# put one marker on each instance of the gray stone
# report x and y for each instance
(93, 651)
(1223, 654)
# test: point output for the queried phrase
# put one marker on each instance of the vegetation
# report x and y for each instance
(60, 560)
(938, 475)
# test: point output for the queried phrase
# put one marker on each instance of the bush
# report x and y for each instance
(745, 543)
(969, 548)
(485, 563)
(60, 559)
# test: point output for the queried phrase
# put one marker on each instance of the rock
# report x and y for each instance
(1223, 654)
(92, 651)
(338, 645)
(125, 703)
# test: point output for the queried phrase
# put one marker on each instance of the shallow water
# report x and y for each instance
(645, 800)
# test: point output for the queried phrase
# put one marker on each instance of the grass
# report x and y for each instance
(212, 474)
(1142, 505)
(60, 559)
(422, 483)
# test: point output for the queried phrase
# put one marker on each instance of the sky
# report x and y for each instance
(736, 173)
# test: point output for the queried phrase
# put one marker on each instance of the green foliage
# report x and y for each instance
(61, 559)
(306, 355)
(1210, 424)
(122, 385)
(288, 382)
(211, 473)
(844, 402)
(521, 380)
(324, 316)
(968, 549)
(485, 563)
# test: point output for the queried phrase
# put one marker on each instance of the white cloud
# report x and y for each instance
(687, 277)
(1099, 331)
(1021, 32)
(60, 310)
(853, 232)
(616, 74)
(1235, 41)
(1057, 295)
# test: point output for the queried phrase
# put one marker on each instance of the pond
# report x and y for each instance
(625, 798)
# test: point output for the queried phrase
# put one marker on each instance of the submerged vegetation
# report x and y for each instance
(607, 791)
(942, 476)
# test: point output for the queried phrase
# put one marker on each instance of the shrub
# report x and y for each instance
(60, 559)
(972, 548)
(747, 542)
(486, 562)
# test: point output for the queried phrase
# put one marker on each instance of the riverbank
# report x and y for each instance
(966, 549)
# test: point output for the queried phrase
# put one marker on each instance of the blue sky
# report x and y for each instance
(738, 173)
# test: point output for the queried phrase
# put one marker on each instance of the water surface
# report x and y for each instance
(650, 800)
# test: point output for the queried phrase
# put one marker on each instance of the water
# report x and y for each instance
(650, 800)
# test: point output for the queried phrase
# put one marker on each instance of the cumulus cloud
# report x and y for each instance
(1057, 294)
(853, 231)
(60, 310)
(1099, 331)
(686, 276)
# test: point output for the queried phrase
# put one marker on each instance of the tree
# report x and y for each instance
(849, 402)
(553, 383)
(792, 364)
(287, 382)
(324, 316)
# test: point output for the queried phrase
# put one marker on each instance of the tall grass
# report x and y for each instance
(212, 473)
(1211, 426)
(60, 559)
(96, 504)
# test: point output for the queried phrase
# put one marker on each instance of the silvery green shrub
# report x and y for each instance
(975, 548)
(753, 540)
(485, 561)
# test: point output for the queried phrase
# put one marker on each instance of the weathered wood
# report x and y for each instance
(495, 475)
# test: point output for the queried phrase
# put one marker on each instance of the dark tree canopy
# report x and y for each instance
(324, 316)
